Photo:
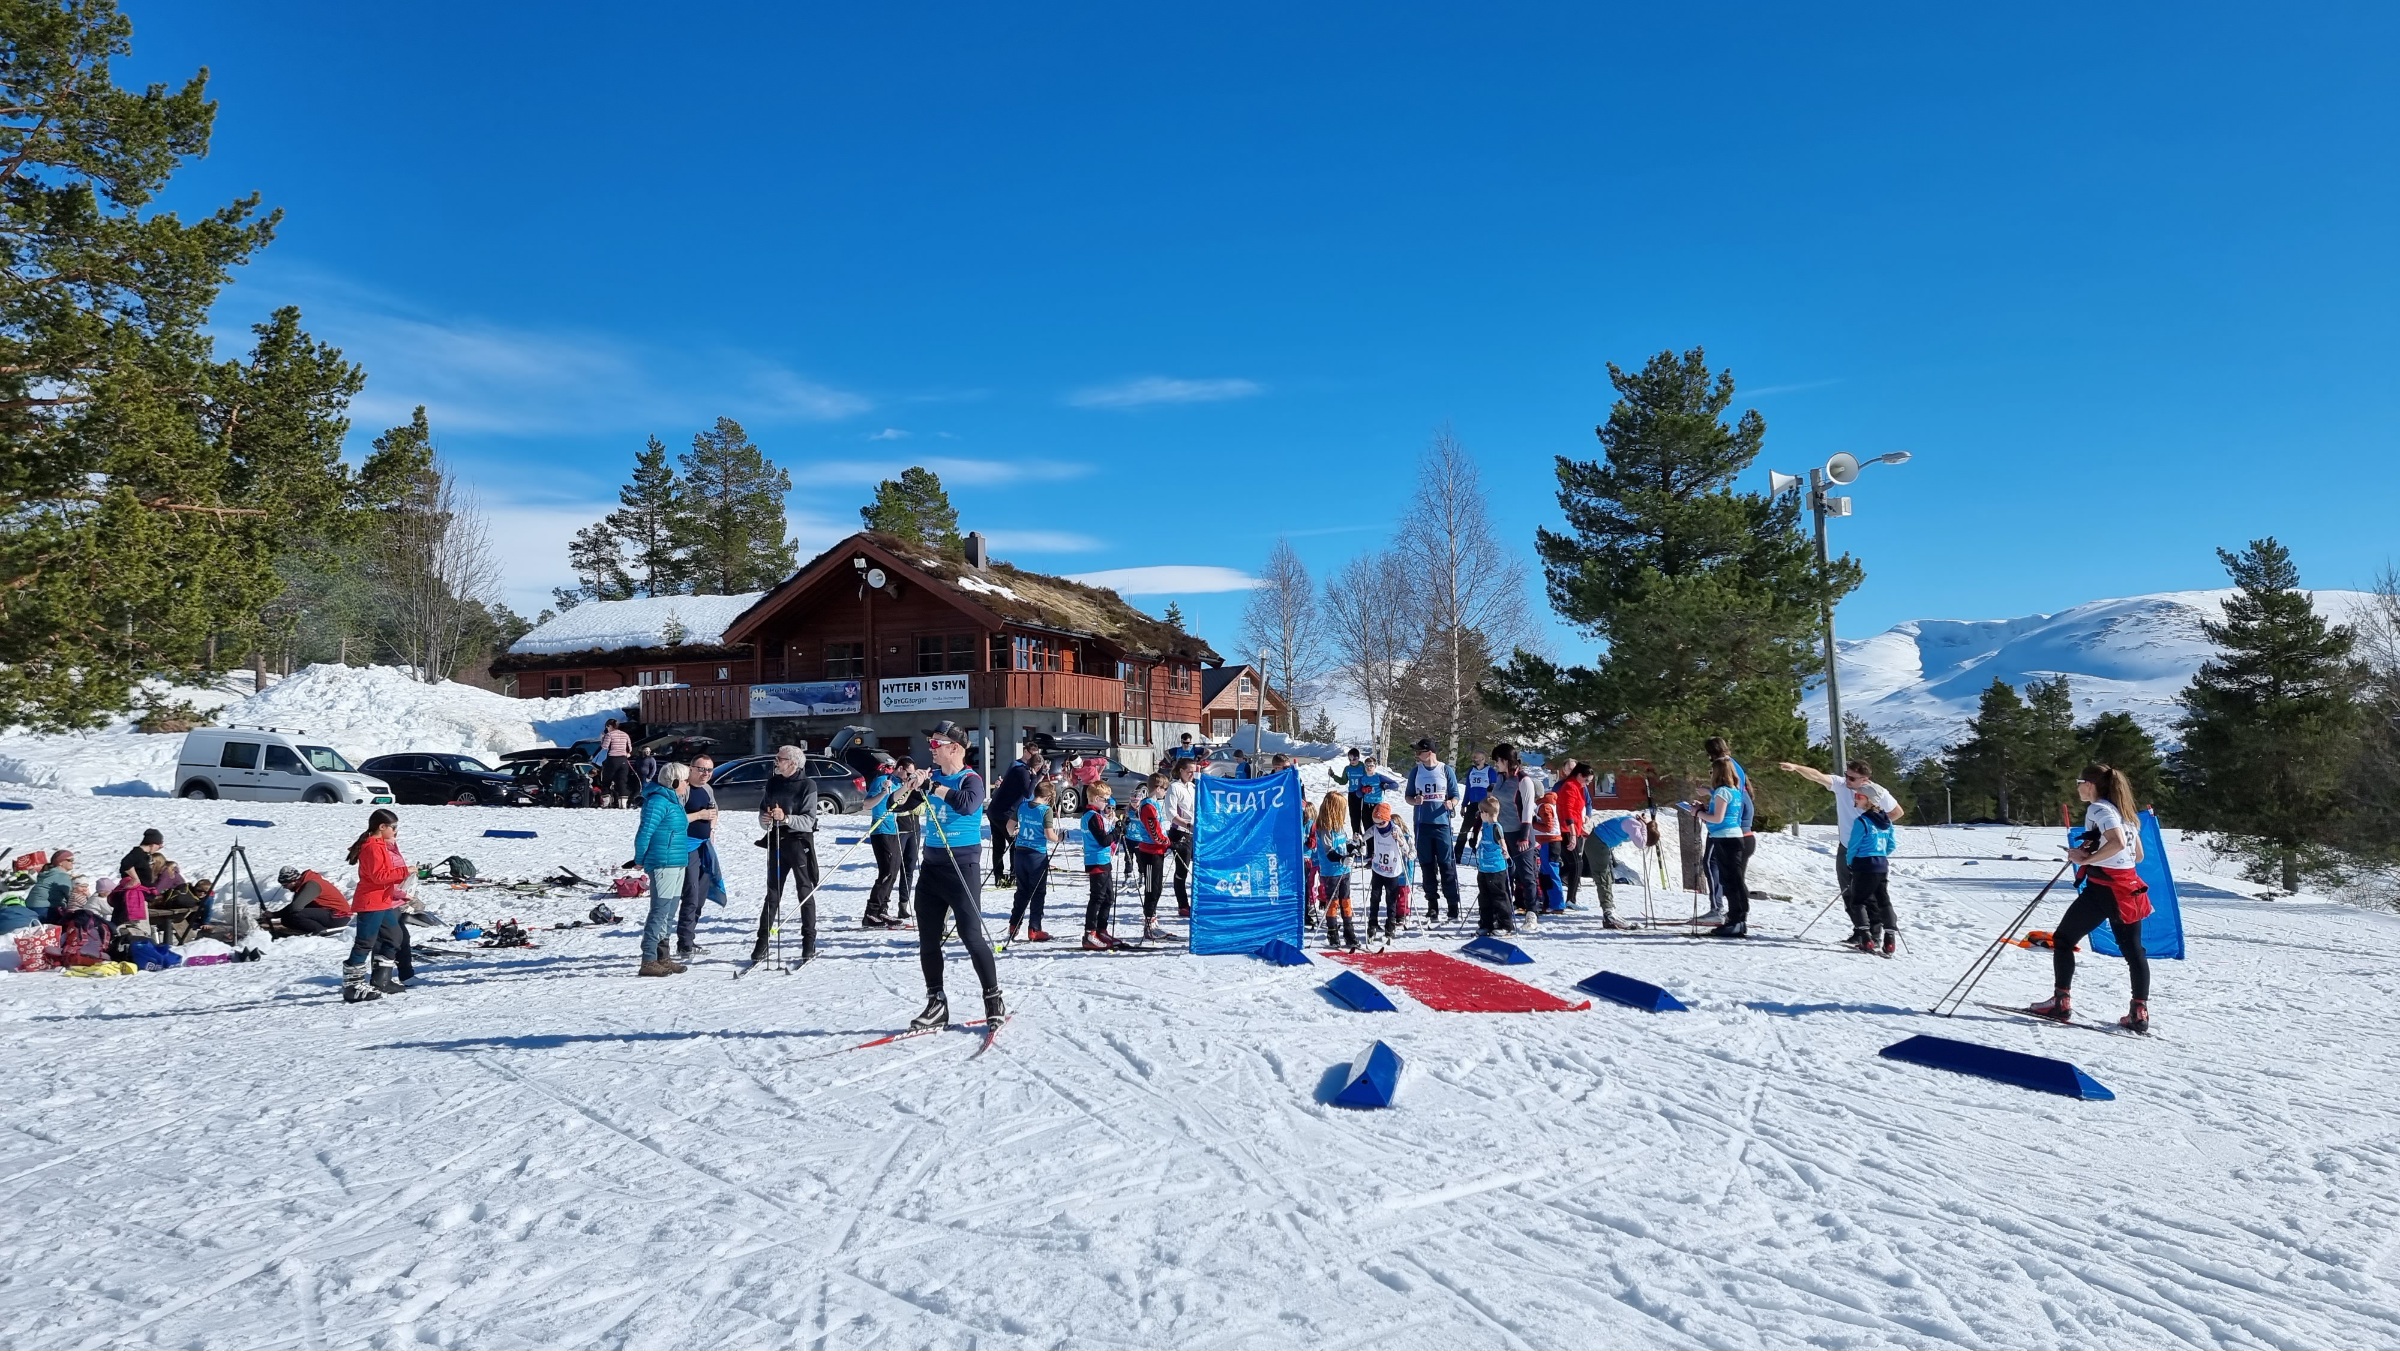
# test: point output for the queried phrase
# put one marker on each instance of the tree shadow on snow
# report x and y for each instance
(1796, 1010)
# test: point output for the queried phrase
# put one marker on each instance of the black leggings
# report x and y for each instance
(887, 872)
(1377, 893)
(1871, 885)
(797, 859)
(1100, 911)
(1033, 885)
(1153, 869)
(1730, 862)
(1473, 834)
(2097, 905)
(951, 887)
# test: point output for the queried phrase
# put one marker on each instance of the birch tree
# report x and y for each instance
(1471, 586)
(1283, 626)
(1371, 605)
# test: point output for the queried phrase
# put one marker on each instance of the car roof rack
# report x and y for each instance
(262, 727)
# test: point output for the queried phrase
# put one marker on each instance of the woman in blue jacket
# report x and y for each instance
(661, 844)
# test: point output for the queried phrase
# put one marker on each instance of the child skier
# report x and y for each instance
(1548, 835)
(1333, 869)
(2113, 893)
(1099, 865)
(1491, 871)
(1146, 831)
(1030, 860)
(1870, 846)
(1390, 848)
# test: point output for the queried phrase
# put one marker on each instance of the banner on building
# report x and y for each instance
(916, 692)
(1246, 866)
(805, 699)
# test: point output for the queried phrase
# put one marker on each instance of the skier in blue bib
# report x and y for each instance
(950, 886)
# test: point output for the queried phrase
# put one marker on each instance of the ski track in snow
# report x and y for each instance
(534, 1148)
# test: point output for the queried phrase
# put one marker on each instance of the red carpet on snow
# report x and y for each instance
(1455, 985)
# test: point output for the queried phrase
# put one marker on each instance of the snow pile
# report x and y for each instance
(532, 1147)
(1917, 684)
(642, 622)
(361, 711)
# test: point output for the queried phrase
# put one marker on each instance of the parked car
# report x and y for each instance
(265, 764)
(555, 776)
(433, 778)
(739, 784)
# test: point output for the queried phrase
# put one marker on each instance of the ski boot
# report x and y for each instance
(2058, 1008)
(1861, 941)
(2137, 1018)
(1349, 935)
(1038, 936)
(1151, 933)
(1012, 934)
(1891, 942)
(874, 919)
(355, 989)
(385, 982)
(1731, 929)
(1609, 920)
(995, 1009)
(936, 1014)
(1333, 935)
(1091, 941)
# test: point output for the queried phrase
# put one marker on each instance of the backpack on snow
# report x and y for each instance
(459, 867)
(83, 939)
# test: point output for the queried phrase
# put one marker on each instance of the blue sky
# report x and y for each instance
(1151, 287)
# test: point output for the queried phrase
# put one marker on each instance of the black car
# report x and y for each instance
(739, 784)
(555, 776)
(460, 780)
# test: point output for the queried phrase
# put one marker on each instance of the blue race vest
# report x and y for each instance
(1491, 851)
(1479, 782)
(946, 828)
(880, 792)
(1096, 853)
(1866, 841)
(1334, 857)
(1353, 776)
(1033, 827)
(1137, 831)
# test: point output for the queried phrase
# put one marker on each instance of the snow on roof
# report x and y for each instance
(642, 622)
(987, 588)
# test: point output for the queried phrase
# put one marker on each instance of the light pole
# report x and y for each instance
(1840, 471)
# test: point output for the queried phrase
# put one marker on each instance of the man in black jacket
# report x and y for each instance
(1014, 787)
(787, 810)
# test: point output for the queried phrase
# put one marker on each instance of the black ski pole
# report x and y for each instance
(1977, 969)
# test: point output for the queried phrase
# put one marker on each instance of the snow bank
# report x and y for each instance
(361, 711)
(642, 622)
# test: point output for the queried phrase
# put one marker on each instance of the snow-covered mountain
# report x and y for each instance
(1917, 683)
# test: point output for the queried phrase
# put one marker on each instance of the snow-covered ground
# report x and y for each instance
(1917, 683)
(537, 1148)
(360, 711)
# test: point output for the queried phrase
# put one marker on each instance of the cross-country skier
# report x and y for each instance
(950, 886)
(1388, 850)
(1146, 831)
(1099, 869)
(1014, 787)
(1035, 833)
(909, 813)
(2112, 893)
(1333, 869)
(1354, 783)
(1723, 817)
(887, 801)
(1434, 788)
(789, 802)
(1183, 801)
(1870, 846)
(1857, 777)
(1492, 911)
(1479, 787)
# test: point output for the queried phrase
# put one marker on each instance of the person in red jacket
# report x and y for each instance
(315, 905)
(1574, 786)
(377, 901)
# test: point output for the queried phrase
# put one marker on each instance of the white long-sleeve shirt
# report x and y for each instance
(1182, 798)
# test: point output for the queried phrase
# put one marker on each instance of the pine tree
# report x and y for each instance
(125, 542)
(1989, 763)
(1321, 729)
(2269, 725)
(1705, 598)
(1174, 617)
(915, 507)
(729, 525)
(2114, 738)
(598, 557)
(644, 524)
(2051, 756)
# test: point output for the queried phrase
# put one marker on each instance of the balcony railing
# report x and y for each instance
(1048, 689)
(697, 703)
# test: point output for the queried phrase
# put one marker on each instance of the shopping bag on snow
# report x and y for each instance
(37, 948)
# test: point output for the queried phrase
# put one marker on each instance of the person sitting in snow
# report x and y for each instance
(312, 905)
(48, 899)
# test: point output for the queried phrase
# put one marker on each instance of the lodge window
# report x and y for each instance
(724, 673)
(665, 676)
(1137, 732)
(1179, 679)
(1023, 652)
(845, 661)
(938, 652)
(562, 686)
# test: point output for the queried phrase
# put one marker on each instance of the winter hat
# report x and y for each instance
(152, 836)
(288, 876)
(1383, 811)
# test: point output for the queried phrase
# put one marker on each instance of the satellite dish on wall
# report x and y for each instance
(1842, 468)
(1779, 482)
(876, 579)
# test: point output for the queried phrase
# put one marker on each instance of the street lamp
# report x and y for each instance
(1840, 471)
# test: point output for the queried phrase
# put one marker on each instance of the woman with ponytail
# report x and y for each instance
(2112, 893)
(377, 901)
(1725, 813)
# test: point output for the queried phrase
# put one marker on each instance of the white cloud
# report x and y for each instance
(1042, 541)
(1170, 579)
(955, 472)
(1154, 389)
(888, 434)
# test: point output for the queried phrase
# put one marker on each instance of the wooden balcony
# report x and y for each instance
(696, 703)
(1048, 689)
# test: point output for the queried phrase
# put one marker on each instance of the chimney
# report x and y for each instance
(979, 551)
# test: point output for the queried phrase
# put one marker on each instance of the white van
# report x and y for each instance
(267, 764)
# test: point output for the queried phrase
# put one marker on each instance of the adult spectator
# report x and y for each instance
(312, 905)
(147, 861)
(1520, 797)
(662, 847)
(1014, 788)
(1183, 804)
(1857, 777)
(645, 769)
(787, 811)
(378, 902)
(1719, 748)
(1574, 803)
(48, 899)
(1722, 814)
(616, 766)
(1434, 789)
(703, 871)
(1185, 750)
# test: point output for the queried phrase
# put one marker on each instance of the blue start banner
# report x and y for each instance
(1247, 876)
(2162, 932)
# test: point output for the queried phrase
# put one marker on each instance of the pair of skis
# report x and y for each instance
(988, 1027)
